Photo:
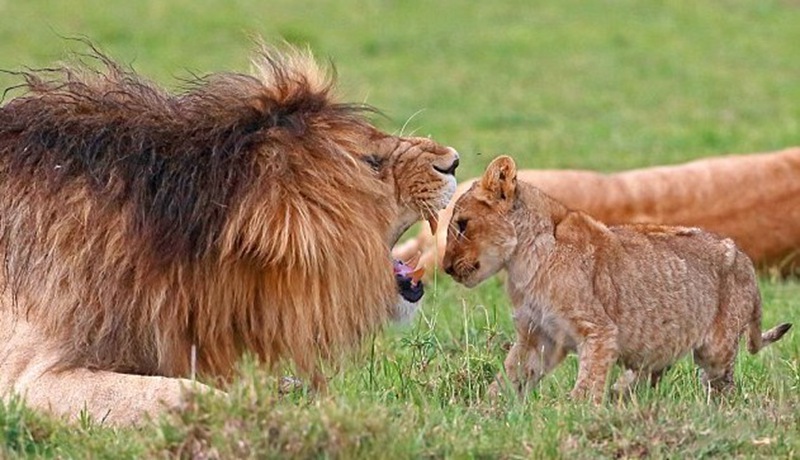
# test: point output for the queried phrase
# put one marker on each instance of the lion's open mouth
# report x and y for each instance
(409, 281)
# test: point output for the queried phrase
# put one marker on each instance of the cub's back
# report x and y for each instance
(669, 271)
(664, 287)
(701, 250)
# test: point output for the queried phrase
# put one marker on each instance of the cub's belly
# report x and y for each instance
(657, 345)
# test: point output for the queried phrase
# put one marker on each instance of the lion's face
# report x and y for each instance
(481, 236)
(422, 175)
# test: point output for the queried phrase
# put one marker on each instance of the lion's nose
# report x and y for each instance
(449, 170)
(448, 268)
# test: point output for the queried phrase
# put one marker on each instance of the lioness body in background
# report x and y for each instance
(753, 199)
(642, 295)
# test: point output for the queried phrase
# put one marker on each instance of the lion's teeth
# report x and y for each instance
(433, 222)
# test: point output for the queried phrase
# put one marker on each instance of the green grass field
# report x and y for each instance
(605, 85)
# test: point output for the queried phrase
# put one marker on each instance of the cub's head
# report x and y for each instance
(481, 236)
(421, 173)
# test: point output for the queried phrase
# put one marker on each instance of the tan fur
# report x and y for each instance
(753, 199)
(642, 295)
(249, 214)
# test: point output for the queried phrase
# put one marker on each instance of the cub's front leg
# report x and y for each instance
(532, 356)
(630, 379)
(597, 353)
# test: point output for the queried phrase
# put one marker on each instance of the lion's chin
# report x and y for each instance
(404, 311)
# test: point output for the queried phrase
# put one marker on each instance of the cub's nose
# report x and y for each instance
(448, 268)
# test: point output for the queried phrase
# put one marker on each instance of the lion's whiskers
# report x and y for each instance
(408, 120)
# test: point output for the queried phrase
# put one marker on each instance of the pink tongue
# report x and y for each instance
(400, 268)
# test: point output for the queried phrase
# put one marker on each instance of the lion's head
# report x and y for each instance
(481, 235)
(246, 214)
(422, 173)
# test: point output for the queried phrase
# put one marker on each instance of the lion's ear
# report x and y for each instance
(499, 181)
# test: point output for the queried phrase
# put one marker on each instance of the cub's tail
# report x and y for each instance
(759, 340)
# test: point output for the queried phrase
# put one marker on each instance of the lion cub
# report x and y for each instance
(641, 295)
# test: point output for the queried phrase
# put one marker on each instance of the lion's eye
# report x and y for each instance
(461, 225)
(374, 161)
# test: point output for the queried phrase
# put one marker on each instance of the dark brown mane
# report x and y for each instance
(136, 224)
(181, 160)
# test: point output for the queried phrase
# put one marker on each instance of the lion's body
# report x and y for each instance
(248, 214)
(643, 295)
(753, 199)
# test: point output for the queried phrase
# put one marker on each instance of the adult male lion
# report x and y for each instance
(246, 214)
(754, 199)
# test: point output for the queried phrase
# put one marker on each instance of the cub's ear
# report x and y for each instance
(499, 181)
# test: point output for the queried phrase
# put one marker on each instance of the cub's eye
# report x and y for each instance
(461, 225)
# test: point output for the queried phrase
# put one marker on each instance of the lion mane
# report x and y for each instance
(232, 217)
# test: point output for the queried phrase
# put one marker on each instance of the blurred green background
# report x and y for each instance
(605, 85)
(592, 84)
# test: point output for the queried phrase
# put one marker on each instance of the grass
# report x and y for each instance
(606, 85)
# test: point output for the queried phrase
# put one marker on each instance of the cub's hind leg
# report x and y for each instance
(716, 363)
(716, 355)
(738, 307)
